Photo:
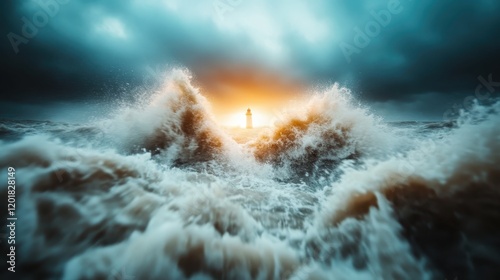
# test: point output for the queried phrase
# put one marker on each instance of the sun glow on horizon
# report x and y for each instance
(232, 90)
(238, 119)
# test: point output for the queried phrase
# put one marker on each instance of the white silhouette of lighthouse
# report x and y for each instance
(249, 118)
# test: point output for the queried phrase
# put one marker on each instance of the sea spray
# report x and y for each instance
(148, 199)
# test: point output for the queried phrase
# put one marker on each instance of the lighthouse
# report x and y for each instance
(249, 118)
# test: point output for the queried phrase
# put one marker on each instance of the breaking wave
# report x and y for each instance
(444, 195)
(327, 131)
(175, 123)
(164, 193)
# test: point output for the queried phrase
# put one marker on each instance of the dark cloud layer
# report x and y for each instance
(425, 58)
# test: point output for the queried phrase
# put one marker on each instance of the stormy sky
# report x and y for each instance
(404, 59)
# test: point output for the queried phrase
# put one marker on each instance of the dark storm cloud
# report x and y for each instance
(429, 46)
(94, 49)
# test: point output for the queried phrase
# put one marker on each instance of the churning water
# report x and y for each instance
(160, 191)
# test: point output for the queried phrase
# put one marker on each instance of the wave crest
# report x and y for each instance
(328, 130)
(175, 123)
(444, 194)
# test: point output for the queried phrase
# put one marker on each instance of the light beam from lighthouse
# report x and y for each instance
(249, 118)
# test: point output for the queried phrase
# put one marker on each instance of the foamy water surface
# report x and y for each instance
(160, 191)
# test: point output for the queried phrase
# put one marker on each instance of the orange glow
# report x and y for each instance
(238, 119)
(231, 91)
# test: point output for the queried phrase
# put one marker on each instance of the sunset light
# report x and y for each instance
(260, 118)
(231, 90)
(242, 139)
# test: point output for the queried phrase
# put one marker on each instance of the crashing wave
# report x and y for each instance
(330, 129)
(444, 194)
(113, 211)
(175, 123)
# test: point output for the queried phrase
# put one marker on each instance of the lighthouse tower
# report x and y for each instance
(249, 118)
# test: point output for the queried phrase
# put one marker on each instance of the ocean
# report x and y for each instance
(159, 190)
